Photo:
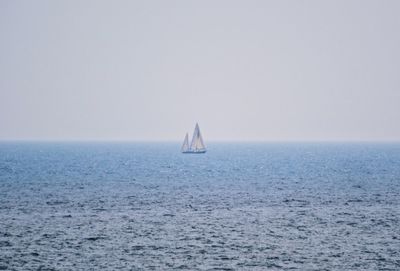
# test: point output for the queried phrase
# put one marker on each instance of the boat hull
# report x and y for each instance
(195, 152)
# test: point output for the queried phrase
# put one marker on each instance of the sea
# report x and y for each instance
(240, 206)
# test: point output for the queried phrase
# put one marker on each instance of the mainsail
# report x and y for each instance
(197, 143)
(185, 145)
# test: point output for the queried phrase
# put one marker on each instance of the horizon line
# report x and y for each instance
(210, 141)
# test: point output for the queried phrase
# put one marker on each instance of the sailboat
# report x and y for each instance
(197, 144)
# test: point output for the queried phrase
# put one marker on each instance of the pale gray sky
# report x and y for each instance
(245, 70)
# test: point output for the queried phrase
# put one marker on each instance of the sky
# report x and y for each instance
(244, 70)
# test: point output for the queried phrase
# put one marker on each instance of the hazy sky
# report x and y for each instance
(245, 70)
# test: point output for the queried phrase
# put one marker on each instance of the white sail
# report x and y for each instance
(197, 144)
(194, 137)
(185, 145)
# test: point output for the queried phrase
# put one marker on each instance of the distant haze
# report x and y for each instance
(245, 70)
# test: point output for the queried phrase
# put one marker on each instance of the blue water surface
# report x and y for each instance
(240, 206)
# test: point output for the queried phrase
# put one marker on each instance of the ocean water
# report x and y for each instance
(142, 206)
